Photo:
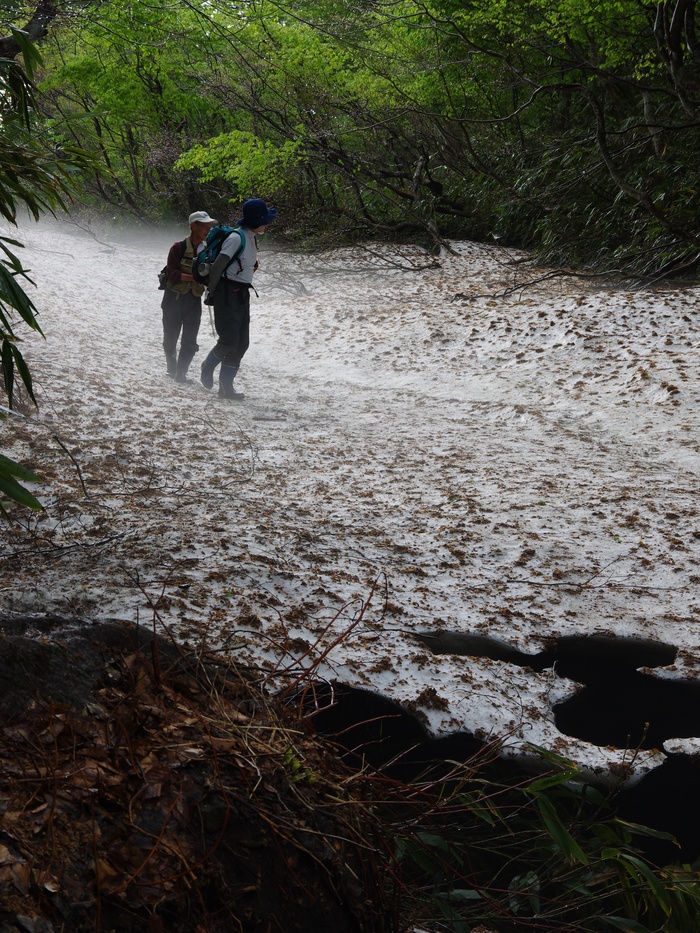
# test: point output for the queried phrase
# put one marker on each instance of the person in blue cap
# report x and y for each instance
(229, 288)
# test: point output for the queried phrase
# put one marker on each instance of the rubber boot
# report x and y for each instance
(226, 377)
(208, 367)
(171, 363)
(183, 364)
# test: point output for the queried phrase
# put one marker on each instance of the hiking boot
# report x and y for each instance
(171, 363)
(182, 378)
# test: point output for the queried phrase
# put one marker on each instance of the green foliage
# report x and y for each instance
(126, 81)
(543, 855)
(10, 472)
(244, 162)
(36, 175)
(566, 126)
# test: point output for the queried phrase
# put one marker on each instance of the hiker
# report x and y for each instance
(230, 281)
(182, 298)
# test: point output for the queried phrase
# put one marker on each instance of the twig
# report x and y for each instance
(461, 296)
(57, 550)
(568, 582)
(75, 463)
(86, 228)
(316, 663)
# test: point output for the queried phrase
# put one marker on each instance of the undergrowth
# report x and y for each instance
(177, 794)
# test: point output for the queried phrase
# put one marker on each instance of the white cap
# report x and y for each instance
(201, 217)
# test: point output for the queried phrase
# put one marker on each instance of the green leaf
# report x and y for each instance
(447, 910)
(525, 888)
(628, 926)
(561, 836)
(553, 758)
(434, 841)
(552, 780)
(10, 468)
(464, 894)
(23, 371)
(638, 830)
(610, 853)
(8, 369)
(30, 53)
(18, 493)
(639, 868)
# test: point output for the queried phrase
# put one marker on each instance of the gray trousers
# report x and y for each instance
(232, 321)
(182, 315)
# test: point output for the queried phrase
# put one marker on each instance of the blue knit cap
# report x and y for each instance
(256, 214)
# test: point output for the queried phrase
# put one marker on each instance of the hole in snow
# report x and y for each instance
(576, 656)
(373, 730)
(666, 799)
(617, 705)
(628, 709)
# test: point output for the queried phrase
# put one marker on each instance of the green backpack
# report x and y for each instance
(204, 260)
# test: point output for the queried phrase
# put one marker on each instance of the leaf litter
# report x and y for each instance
(163, 792)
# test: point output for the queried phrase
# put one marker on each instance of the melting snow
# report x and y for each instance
(520, 462)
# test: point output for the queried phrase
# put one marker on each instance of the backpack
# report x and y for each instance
(203, 262)
(163, 274)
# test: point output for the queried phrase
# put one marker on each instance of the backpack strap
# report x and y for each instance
(219, 267)
(239, 252)
(185, 262)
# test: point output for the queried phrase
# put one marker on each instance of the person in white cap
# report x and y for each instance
(182, 298)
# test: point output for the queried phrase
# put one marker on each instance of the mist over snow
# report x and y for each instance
(520, 462)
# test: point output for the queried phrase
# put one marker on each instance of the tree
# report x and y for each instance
(566, 126)
(127, 80)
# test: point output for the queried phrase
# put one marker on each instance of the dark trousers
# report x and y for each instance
(182, 314)
(232, 321)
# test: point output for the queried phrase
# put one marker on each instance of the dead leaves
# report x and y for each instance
(106, 797)
(129, 807)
